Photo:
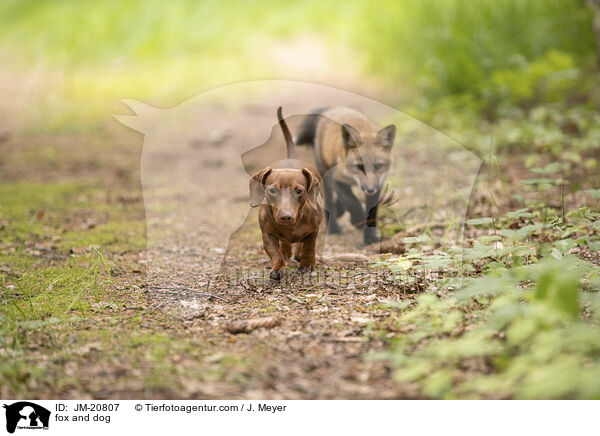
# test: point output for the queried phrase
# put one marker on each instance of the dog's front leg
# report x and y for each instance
(286, 249)
(271, 246)
(298, 251)
(308, 258)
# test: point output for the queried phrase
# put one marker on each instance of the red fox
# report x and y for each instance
(349, 150)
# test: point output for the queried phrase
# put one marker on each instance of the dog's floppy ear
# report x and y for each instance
(385, 137)
(350, 136)
(313, 187)
(257, 187)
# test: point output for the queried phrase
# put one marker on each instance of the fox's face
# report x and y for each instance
(368, 157)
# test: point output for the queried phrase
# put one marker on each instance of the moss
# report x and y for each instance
(65, 214)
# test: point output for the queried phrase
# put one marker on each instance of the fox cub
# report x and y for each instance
(350, 150)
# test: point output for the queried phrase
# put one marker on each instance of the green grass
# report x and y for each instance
(41, 289)
(46, 292)
(39, 302)
(55, 213)
(31, 210)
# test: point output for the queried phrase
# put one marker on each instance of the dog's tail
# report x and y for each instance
(289, 142)
(308, 128)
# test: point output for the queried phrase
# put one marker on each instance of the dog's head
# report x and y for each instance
(285, 191)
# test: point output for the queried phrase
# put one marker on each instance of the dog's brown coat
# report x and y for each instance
(290, 209)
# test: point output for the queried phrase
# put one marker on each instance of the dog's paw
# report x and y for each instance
(277, 274)
(305, 269)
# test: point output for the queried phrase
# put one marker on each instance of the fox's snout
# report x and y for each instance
(370, 189)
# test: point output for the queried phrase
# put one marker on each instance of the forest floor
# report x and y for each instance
(83, 317)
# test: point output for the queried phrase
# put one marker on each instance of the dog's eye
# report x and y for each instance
(273, 191)
(299, 191)
(378, 166)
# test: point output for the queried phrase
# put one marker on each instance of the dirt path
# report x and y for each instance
(319, 346)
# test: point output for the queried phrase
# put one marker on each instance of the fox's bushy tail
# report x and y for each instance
(308, 128)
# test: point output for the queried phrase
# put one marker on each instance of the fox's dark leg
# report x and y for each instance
(351, 203)
(370, 233)
(330, 204)
(339, 207)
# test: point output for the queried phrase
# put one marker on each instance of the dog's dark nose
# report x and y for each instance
(286, 217)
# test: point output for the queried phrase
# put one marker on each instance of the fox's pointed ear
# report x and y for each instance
(386, 136)
(350, 136)
(144, 115)
(257, 187)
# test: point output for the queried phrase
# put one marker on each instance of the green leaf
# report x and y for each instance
(595, 193)
(538, 181)
(560, 290)
(544, 249)
(548, 169)
(415, 240)
(521, 213)
(564, 245)
(413, 372)
(438, 384)
(479, 221)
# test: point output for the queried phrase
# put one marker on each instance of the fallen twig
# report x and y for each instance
(246, 326)
(423, 226)
(347, 257)
(296, 299)
(143, 312)
(195, 291)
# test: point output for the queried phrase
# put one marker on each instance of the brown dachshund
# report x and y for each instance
(291, 211)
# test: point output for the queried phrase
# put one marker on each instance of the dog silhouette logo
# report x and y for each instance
(26, 415)
(198, 157)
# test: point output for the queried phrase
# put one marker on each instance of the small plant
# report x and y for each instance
(520, 319)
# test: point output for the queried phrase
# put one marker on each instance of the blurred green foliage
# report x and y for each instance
(516, 51)
(461, 46)
(93, 33)
(92, 54)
